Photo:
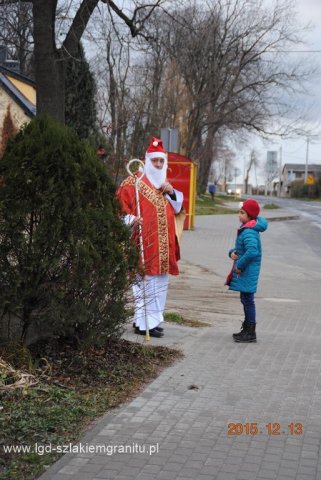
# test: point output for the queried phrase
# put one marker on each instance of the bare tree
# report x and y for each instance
(50, 61)
(253, 163)
(232, 57)
(16, 33)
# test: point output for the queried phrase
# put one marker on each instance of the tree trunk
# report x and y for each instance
(49, 64)
(206, 160)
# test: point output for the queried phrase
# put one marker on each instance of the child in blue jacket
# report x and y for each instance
(246, 256)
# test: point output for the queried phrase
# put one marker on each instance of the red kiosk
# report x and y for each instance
(182, 174)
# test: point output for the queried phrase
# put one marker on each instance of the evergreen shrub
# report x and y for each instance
(65, 256)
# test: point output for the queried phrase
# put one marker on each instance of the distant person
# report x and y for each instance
(246, 256)
(212, 190)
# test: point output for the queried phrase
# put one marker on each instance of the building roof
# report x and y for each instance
(28, 107)
(300, 167)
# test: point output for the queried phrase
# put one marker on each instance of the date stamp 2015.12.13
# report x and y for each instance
(273, 428)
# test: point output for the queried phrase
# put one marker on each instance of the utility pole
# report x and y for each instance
(280, 171)
(306, 161)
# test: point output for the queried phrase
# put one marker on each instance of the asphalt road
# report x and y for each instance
(309, 210)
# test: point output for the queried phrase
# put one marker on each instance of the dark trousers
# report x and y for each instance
(248, 302)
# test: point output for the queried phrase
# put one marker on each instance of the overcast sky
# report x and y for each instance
(294, 151)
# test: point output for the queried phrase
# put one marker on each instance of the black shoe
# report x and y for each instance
(244, 327)
(247, 336)
(152, 333)
(160, 329)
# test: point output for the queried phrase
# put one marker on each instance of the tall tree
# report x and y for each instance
(50, 61)
(80, 108)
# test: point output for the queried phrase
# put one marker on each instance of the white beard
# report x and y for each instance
(156, 176)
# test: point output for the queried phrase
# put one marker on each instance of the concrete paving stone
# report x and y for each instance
(234, 460)
(309, 454)
(274, 450)
(195, 457)
(291, 472)
(307, 470)
(69, 470)
(205, 477)
(80, 462)
(225, 476)
(91, 468)
(216, 455)
(301, 476)
(173, 466)
(239, 449)
(130, 471)
(284, 477)
(189, 472)
(294, 463)
(59, 476)
(178, 459)
(148, 476)
(183, 451)
(104, 474)
(250, 467)
(272, 458)
(81, 476)
(167, 475)
(154, 469)
(246, 475)
(158, 460)
(254, 455)
(210, 470)
(308, 462)
(139, 436)
(183, 477)
(229, 468)
(203, 449)
(168, 447)
(266, 475)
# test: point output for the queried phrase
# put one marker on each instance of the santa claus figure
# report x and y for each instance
(159, 202)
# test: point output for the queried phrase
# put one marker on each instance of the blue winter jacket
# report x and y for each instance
(248, 249)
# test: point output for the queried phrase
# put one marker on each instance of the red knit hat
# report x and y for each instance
(251, 207)
(155, 149)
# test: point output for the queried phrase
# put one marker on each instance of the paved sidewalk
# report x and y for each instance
(185, 413)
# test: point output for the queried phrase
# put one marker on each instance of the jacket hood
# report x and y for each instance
(261, 224)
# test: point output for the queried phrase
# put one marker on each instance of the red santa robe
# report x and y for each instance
(160, 243)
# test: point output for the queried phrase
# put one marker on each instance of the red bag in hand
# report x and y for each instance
(229, 277)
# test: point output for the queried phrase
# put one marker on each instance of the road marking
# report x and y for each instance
(288, 300)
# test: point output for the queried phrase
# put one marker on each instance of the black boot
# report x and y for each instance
(248, 335)
(243, 329)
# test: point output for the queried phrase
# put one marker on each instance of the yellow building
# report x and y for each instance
(18, 92)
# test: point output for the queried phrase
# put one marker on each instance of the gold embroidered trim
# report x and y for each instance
(128, 181)
(159, 201)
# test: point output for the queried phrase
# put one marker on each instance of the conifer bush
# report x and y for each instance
(65, 256)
